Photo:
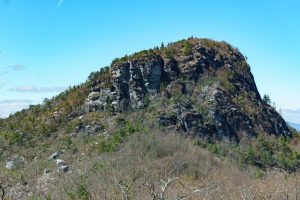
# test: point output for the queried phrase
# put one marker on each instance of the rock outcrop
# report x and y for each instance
(208, 85)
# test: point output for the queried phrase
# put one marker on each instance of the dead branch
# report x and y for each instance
(2, 189)
(181, 165)
(165, 185)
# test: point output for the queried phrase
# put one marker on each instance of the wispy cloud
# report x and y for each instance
(17, 67)
(32, 89)
(12, 68)
(291, 115)
(59, 4)
(10, 106)
(3, 72)
(2, 85)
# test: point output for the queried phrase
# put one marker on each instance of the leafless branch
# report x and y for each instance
(125, 189)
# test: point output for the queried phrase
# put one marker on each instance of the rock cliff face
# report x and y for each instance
(197, 86)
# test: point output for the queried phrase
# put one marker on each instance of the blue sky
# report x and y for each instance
(49, 45)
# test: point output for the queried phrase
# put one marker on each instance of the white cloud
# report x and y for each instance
(26, 88)
(291, 115)
(9, 106)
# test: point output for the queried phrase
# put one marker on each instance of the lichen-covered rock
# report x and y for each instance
(97, 100)
(88, 128)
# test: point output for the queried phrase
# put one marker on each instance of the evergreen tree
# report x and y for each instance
(267, 99)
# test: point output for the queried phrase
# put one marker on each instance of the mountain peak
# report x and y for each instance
(203, 87)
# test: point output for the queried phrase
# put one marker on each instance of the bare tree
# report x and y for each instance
(125, 189)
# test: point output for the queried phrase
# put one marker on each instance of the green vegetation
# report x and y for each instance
(124, 130)
(138, 55)
(172, 50)
(259, 173)
(169, 53)
(187, 48)
(261, 153)
(43, 120)
(80, 192)
(99, 75)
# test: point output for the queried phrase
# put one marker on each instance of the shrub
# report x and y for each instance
(169, 53)
(250, 155)
(123, 131)
(215, 148)
(287, 158)
(80, 191)
(14, 138)
(187, 48)
(259, 173)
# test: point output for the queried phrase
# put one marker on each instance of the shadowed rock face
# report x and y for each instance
(218, 95)
(133, 80)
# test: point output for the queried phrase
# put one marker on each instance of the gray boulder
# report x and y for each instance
(63, 169)
(15, 162)
(55, 155)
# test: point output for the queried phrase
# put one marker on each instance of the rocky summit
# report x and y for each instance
(203, 87)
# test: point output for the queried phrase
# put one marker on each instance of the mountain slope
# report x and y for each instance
(199, 89)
